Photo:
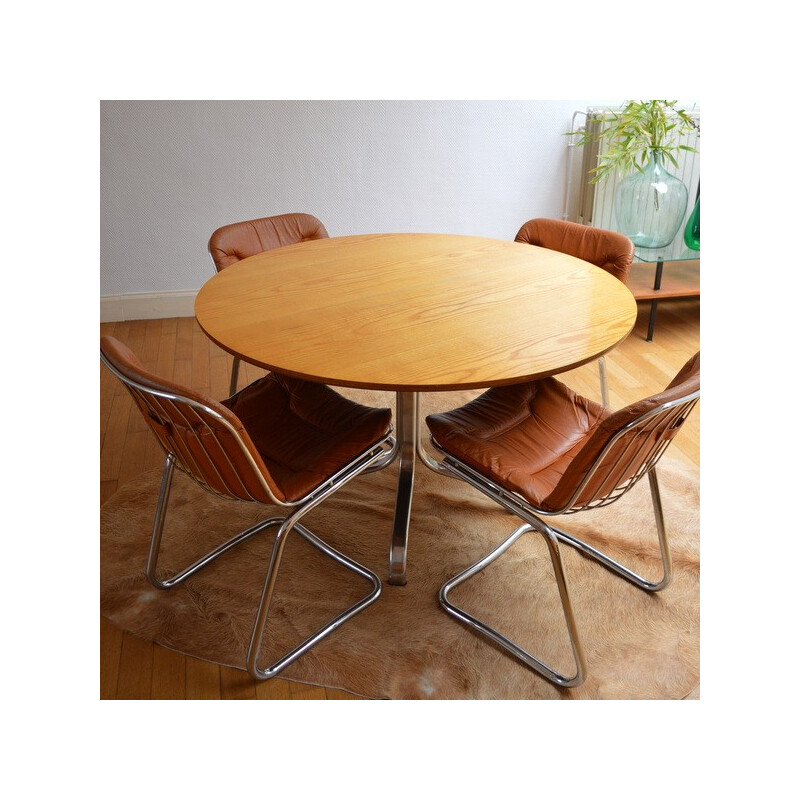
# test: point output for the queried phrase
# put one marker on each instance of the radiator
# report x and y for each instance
(593, 203)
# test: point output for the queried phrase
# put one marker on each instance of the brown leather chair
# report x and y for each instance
(232, 243)
(539, 449)
(280, 441)
(608, 250)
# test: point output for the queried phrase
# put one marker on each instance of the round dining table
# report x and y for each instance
(410, 313)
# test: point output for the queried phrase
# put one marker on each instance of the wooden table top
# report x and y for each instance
(415, 312)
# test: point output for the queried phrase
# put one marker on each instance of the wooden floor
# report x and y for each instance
(131, 668)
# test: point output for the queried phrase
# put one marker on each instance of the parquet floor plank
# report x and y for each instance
(169, 675)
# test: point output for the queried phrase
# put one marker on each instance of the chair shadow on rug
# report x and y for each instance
(539, 449)
(279, 442)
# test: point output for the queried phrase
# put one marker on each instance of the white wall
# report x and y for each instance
(173, 171)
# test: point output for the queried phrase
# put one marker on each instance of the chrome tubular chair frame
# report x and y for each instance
(523, 655)
(180, 457)
(286, 525)
(643, 448)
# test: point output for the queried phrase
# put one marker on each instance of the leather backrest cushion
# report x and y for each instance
(608, 250)
(232, 243)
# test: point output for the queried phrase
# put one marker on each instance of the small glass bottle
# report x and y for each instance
(691, 233)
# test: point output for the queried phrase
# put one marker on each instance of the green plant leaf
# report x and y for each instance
(638, 130)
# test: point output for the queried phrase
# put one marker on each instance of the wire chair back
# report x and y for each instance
(205, 439)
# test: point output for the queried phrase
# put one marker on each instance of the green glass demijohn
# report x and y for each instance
(650, 205)
(691, 233)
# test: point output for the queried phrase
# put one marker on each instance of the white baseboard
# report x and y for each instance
(158, 305)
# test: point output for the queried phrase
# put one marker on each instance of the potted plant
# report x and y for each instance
(639, 140)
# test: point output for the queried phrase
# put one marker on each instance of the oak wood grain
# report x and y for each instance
(415, 312)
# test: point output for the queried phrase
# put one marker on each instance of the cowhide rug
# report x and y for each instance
(404, 646)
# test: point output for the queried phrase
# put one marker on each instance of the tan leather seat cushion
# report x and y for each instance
(540, 439)
(305, 432)
(523, 437)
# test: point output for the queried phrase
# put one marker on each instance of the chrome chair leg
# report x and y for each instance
(601, 365)
(619, 569)
(523, 655)
(286, 526)
(262, 615)
(289, 524)
(552, 536)
(234, 376)
(515, 506)
(158, 530)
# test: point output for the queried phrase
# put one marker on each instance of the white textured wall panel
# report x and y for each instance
(173, 171)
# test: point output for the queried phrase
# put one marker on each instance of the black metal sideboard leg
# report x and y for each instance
(654, 303)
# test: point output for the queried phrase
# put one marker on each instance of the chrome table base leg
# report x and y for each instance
(407, 434)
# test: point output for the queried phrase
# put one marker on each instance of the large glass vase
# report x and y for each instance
(650, 205)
